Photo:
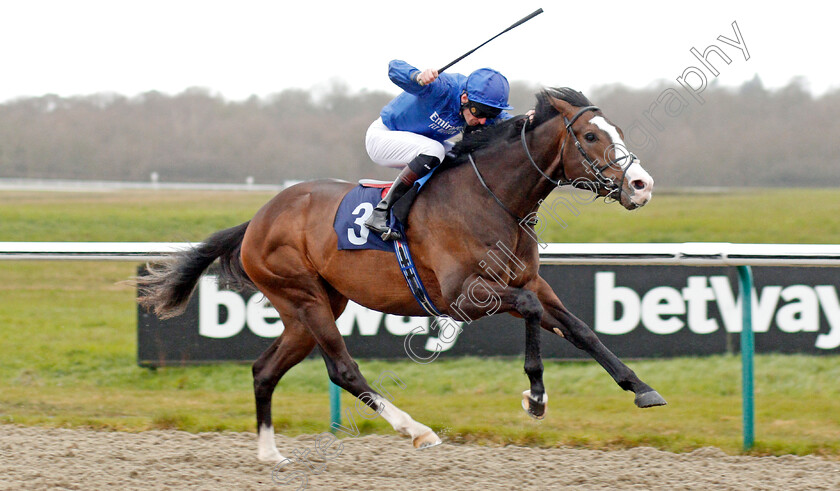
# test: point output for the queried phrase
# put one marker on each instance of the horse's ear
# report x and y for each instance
(562, 106)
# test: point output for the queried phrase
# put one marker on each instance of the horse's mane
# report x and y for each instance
(509, 130)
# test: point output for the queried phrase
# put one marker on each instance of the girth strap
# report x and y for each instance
(415, 284)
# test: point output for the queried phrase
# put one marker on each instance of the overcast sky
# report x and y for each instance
(246, 47)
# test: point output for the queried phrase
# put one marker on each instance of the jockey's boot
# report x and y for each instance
(417, 168)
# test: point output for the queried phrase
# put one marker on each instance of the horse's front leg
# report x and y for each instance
(534, 401)
(557, 319)
(480, 297)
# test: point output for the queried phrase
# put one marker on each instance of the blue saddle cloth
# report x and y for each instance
(350, 218)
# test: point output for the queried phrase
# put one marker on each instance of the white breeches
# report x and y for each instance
(396, 149)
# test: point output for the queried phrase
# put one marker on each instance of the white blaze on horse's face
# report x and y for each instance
(638, 184)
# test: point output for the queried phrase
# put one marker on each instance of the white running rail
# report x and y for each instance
(687, 253)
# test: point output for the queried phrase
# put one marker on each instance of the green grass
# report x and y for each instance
(131, 216)
(744, 215)
(68, 339)
(747, 215)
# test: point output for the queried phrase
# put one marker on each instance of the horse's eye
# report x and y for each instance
(590, 137)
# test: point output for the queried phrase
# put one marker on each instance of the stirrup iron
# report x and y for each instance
(391, 234)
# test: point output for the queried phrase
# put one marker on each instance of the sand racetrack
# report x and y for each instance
(42, 458)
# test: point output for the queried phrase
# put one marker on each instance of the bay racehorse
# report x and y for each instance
(480, 202)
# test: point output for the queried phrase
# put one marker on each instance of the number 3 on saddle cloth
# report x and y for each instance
(349, 226)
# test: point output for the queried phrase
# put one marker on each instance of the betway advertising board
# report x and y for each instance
(637, 311)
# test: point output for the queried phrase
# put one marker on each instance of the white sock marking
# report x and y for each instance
(267, 450)
(400, 420)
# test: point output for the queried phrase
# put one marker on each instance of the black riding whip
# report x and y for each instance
(515, 24)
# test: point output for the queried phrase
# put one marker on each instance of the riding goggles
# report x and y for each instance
(480, 110)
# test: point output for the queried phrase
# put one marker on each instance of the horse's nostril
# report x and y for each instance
(638, 184)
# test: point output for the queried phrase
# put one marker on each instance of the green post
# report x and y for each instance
(747, 349)
(335, 406)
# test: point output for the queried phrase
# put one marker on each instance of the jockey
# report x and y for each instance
(412, 130)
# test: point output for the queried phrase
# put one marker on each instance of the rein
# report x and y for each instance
(487, 188)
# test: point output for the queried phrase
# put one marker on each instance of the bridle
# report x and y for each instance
(601, 181)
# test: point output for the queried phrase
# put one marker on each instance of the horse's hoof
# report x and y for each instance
(534, 407)
(270, 457)
(649, 399)
(427, 440)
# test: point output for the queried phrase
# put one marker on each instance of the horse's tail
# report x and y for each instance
(167, 286)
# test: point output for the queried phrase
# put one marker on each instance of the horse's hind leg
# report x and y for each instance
(316, 309)
(558, 319)
(287, 351)
(344, 372)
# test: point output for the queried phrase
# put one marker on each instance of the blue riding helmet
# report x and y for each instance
(489, 87)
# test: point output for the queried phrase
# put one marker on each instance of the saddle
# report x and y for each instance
(403, 205)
